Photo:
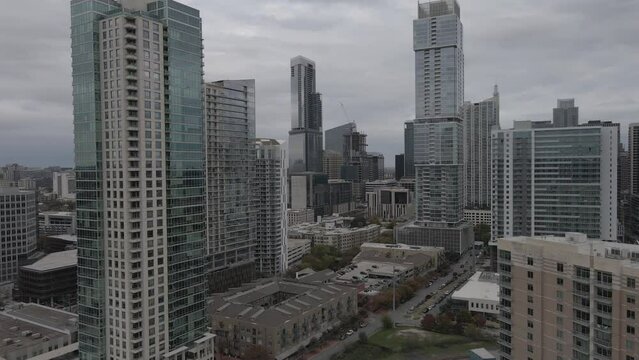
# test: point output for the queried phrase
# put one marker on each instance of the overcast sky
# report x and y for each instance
(537, 51)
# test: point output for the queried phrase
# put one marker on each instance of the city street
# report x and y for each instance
(401, 316)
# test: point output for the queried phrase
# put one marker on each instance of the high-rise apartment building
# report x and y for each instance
(438, 130)
(566, 114)
(140, 176)
(18, 231)
(568, 298)
(479, 120)
(439, 59)
(633, 149)
(306, 137)
(270, 206)
(356, 163)
(230, 164)
(550, 181)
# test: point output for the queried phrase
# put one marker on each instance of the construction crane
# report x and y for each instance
(345, 112)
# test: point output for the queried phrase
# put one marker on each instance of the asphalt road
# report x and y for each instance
(401, 315)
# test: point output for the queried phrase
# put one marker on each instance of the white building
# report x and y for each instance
(481, 293)
(64, 184)
(18, 220)
(477, 217)
(300, 216)
(270, 204)
(296, 249)
(551, 181)
(334, 233)
(56, 223)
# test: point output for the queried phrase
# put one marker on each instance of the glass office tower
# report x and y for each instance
(137, 92)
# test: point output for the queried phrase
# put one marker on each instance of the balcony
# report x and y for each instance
(130, 35)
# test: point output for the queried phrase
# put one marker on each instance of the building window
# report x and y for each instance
(530, 261)
(530, 274)
(630, 330)
(532, 313)
(630, 282)
(530, 324)
(630, 314)
(560, 307)
(630, 299)
(530, 287)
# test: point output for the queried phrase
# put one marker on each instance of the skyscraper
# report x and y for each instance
(306, 137)
(633, 149)
(551, 181)
(437, 132)
(566, 114)
(479, 119)
(18, 231)
(270, 205)
(139, 152)
(439, 59)
(230, 165)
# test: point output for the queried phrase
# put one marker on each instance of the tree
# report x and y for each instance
(387, 322)
(444, 324)
(482, 233)
(375, 220)
(428, 322)
(257, 352)
(480, 320)
(471, 331)
(363, 338)
(464, 317)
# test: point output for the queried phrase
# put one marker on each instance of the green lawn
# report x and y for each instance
(410, 343)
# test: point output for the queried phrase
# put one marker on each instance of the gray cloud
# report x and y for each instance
(536, 52)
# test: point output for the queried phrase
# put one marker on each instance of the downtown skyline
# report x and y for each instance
(259, 45)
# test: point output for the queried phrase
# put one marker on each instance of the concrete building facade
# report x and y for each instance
(479, 120)
(270, 205)
(550, 181)
(567, 297)
(140, 174)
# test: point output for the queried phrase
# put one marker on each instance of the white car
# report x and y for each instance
(349, 332)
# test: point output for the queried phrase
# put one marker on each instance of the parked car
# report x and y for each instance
(350, 332)
(363, 324)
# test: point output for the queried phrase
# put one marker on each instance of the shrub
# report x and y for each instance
(387, 322)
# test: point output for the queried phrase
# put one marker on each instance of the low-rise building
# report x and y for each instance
(297, 248)
(480, 294)
(36, 332)
(455, 239)
(330, 234)
(55, 243)
(56, 223)
(281, 315)
(300, 216)
(378, 264)
(477, 217)
(50, 280)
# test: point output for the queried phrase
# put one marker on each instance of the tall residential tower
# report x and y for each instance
(437, 132)
(479, 120)
(140, 181)
(270, 205)
(551, 181)
(230, 165)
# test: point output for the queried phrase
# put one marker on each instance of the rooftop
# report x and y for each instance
(55, 261)
(27, 324)
(65, 237)
(480, 286)
(271, 302)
